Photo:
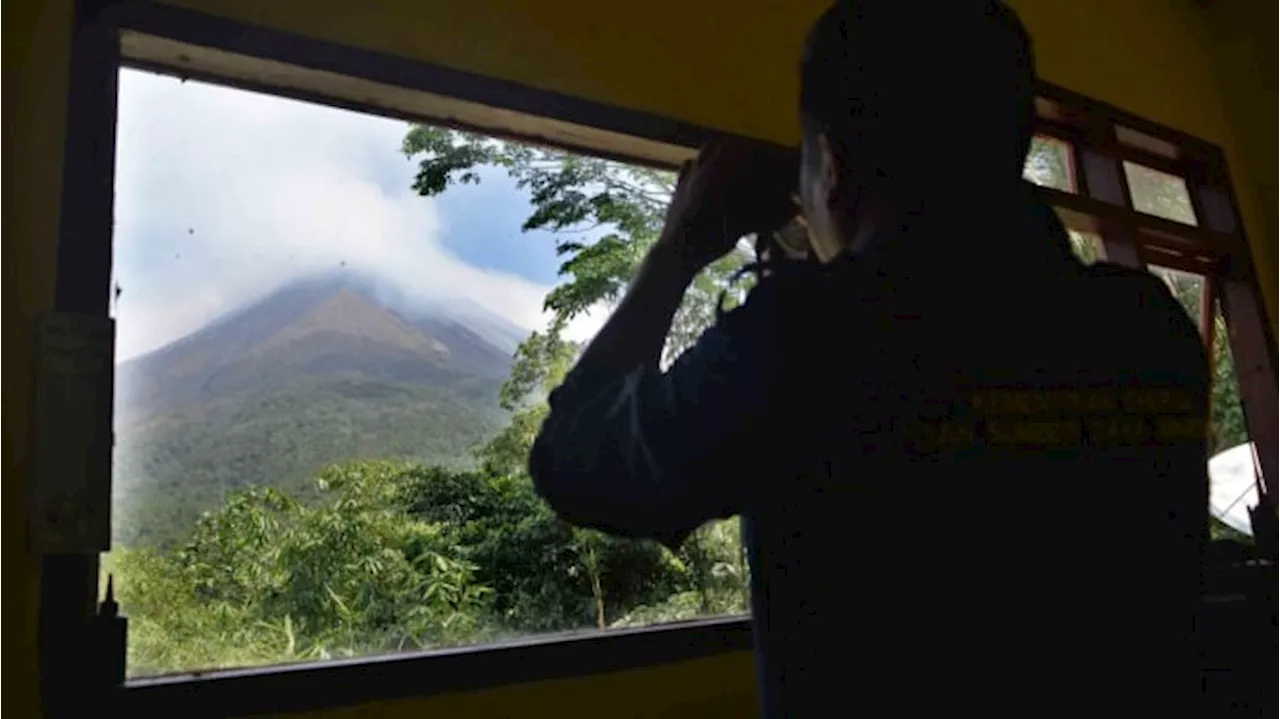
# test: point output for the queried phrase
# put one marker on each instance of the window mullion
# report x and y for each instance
(1247, 330)
(1104, 181)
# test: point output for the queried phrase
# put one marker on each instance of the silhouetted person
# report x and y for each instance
(972, 470)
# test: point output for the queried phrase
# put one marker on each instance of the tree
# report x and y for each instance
(1226, 413)
(1228, 420)
(266, 578)
(572, 194)
(541, 362)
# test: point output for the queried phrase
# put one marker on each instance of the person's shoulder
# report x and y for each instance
(1138, 312)
(780, 321)
(1129, 290)
(1139, 283)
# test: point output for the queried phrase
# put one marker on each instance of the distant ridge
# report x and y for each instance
(323, 370)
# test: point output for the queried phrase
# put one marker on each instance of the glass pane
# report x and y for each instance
(1186, 286)
(1231, 468)
(331, 365)
(1228, 415)
(1049, 164)
(1159, 193)
(1086, 246)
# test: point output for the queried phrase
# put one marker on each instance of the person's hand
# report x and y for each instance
(731, 189)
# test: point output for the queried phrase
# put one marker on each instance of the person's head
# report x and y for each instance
(909, 102)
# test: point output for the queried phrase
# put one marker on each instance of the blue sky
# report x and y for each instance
(223, 195)
(482, 227)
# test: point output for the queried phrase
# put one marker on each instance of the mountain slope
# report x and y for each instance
(316, 373)
(311, 327)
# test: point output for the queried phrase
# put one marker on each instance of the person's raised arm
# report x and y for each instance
(623, 439)
(728, 191)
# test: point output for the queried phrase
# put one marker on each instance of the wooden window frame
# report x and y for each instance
(108, 35)
(1102, 139)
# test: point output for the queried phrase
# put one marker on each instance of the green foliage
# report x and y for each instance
(541, 362)
(171, 628)
(678, 607)
(395, 556)
(171, 469)
(572, 194)
(1086, 247)
(1226, 414)
(717, 567)
(569, 191)
(266, 578)
(717, 570)
(1049, 164)
(545, 574)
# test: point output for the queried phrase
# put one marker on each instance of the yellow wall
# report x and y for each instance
(722, 63)
(1242, 40)
(1157, 59)
(35, 84)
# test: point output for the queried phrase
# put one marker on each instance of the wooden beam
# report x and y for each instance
(1148, 230)
(1106, 184)
(1208, 302)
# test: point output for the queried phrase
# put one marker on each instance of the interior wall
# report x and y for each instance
(1198, 66)
(1242, 40)
(721, 63)
(35, 59)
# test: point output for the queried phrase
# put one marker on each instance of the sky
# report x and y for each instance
(1233, 486)
(223, 196)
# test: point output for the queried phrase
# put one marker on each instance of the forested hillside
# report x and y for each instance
(317, 373)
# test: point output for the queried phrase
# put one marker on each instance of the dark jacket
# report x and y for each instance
(971, 469)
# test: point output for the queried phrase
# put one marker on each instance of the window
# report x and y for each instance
(1159, 193)
(1049, 164)
(1187, 287)
(1086, 246)
(362, 504)
(331, 363)
(1232, 476)
(1180, 225)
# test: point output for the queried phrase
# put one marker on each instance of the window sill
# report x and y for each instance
(344, 682)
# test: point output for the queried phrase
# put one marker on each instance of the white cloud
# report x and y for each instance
(223, 196)
(586, 325)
